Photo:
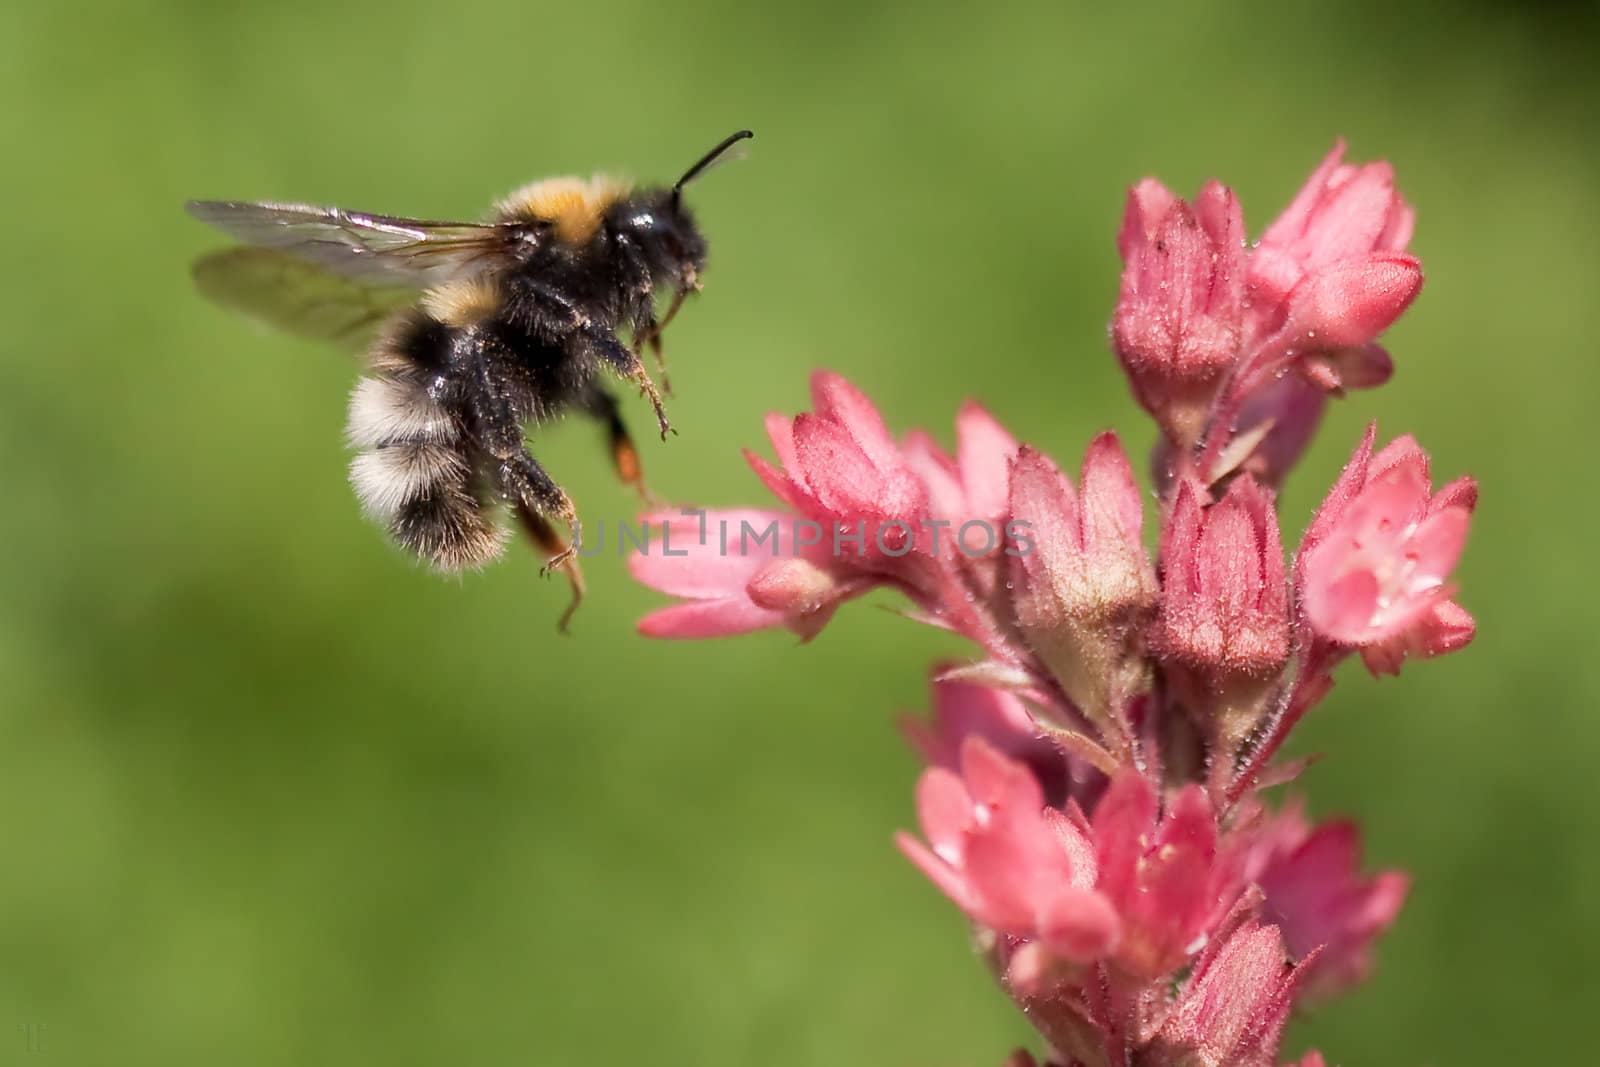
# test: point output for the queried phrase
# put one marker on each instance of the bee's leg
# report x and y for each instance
(526, 485)
(498, 429)
(599, 402)
(648, 332)
(543, 534)
(627, 364)
(659, 328)
(569, 319)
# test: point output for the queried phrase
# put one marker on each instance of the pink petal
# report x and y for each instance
(1078, 847)
(1351, 481)
(1448, 628)
(1080, 925)
(838, 472)
(1351, 302)
(1350, 220)
(944, 809)
(709, 618)
(1219, 215)
(1124, 815)
(1148, 203)
(1461, 493)
(780, 430)
(1344, 610)
(947, 497)
(1113, 510)
(706, 572)
(780, 484)
(984, 450)
(1386, 509)
(997, 781)
(949, 880)
(1403, 451)
(837, 400)
(1436, 545)
(1291, 226)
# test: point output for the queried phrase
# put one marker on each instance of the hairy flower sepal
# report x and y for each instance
(1083, 588)
(1223, 628)
(1233, 1007)
(1178, 319)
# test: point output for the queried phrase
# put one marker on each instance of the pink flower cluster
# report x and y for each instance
(1092, 797)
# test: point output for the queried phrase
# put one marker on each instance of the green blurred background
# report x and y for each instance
(271, 794)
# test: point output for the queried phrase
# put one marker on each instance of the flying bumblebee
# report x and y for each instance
(514, 319)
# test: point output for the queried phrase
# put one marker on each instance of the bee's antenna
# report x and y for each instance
(708, 159)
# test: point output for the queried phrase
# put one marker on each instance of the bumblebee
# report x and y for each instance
(471, 331)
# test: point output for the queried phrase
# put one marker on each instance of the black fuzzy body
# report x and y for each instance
(457, 378)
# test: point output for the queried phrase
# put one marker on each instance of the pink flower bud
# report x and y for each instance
(1082, 583)
(839, 464)
(1232, 1011)
(1342, 212)
(804, 592)
(1224, 597)
(1177, 323)
(1331, 273)
(1374, 566)
(1348, 304)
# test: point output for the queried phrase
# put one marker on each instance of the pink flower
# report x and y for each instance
(1177, 323)
(1133, 884)
(1159, 871)
(864, 512)
(841, 468)
(1325, 280)
(1317, 896)
(1374, 563)
(1082, 583)
(1232, 1011)
(1178, 925)
(1224, 597)
(1012, 864)
(1331, 273)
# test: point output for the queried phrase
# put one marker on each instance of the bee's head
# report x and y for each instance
(661, 226)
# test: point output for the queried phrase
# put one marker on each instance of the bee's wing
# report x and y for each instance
(288, 293)
(379, 249)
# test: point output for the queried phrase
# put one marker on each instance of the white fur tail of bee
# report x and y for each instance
(414, 475)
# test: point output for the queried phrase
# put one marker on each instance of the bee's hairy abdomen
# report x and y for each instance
(415, 473)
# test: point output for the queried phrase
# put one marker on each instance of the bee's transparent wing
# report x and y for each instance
(288, 293)
(381, 249)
